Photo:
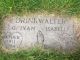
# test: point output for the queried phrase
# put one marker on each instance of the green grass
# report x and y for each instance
(38, 54)
(69, 7)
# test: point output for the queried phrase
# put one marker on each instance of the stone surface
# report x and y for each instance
(49, 31)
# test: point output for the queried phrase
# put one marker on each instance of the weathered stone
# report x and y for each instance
(49, 31)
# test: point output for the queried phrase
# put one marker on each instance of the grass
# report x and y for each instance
(38, 54)
(69, 7)
(61, 7)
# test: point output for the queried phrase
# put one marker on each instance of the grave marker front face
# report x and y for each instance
(27, 31)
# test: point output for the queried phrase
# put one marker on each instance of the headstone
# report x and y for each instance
(49, 31)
